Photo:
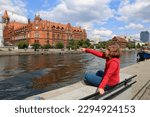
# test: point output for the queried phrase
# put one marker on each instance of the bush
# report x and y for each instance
(22, 45)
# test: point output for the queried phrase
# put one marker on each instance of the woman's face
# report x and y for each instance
(107, 53)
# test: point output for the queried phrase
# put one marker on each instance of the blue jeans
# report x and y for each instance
(95, 79)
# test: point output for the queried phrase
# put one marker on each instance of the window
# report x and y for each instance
(36, 41)
(47, 35)
(28, 35)
(53, 35)
(36, 35)
(58, 36)
(47, 41)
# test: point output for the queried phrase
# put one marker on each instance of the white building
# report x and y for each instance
(1, 35)
(139, 42)
(145, 36)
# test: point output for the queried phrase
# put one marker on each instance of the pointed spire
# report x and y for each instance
(5, 16)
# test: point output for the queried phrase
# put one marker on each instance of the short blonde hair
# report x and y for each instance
(114, 49)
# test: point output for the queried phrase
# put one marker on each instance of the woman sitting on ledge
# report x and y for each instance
(110, 77)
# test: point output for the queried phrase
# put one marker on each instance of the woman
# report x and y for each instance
(110, 77)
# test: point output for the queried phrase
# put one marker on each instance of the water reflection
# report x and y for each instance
(23, 76)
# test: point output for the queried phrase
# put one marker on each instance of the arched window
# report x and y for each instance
(58, 27)
(62, 28)
(53, 27)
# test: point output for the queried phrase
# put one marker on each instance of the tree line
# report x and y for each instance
(73, 45)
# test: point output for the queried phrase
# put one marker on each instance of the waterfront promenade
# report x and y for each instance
(139, 91)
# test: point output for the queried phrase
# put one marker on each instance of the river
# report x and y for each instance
(24, 76)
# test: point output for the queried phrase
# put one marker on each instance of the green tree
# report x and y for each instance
(36, 46)
(131, 45)
(92, 46)
(59, 45)
(80, 43)
(22, 45)
(98, 46)
(47, 46)
(73, 44)
(103, 44)
(87, 42)
(85, 45)
(138, 45)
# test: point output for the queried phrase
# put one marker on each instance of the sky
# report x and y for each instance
(102, 19)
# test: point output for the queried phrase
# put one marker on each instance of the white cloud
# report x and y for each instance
(101, 34)
(88, 26)
(97, 35)
(96, 11)
(85, 13)
(134, 26)
(17, 17)
(136, 36)
(136, 11)
(16, 9)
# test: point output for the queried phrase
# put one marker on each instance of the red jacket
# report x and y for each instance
(112, 68)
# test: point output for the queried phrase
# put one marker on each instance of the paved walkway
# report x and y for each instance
(141, 90)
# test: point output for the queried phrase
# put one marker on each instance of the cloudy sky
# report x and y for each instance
(101, 18)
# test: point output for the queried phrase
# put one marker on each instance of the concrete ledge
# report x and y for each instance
(71, 92)
(139, 91)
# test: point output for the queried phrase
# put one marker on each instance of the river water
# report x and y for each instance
(24, 76)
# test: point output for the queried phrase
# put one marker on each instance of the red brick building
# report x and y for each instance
(121, 41)
(40, 31)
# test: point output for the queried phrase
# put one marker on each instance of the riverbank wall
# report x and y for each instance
(139, 91)
(13, 52)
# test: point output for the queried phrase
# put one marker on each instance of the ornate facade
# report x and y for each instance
(40, 31)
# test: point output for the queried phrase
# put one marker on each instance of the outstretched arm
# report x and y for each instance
(94, 52)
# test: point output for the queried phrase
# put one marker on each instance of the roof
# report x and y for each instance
(16, 25)
(120, 39)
